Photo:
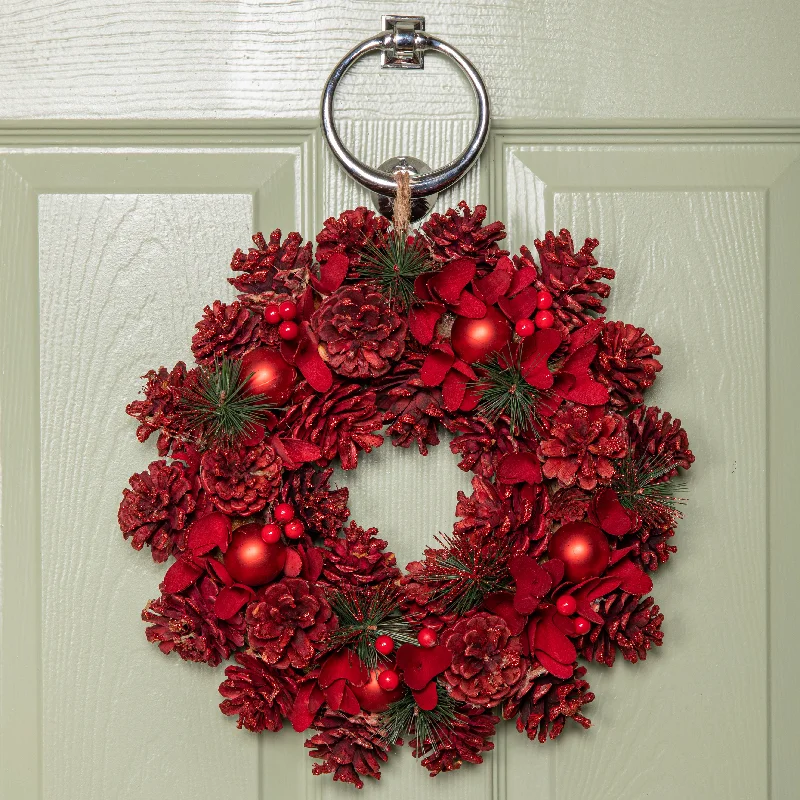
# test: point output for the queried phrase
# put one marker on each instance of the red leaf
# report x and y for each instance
(585, 389)
(554, 667)
(344, 665)
(294, 564)
(308, 360)
(520, 307)
(634, 579)
(331, 273)
(532, 583)
(522, 278)
(216, 568)
(535, 354)
(428, 698)
(612, 516)
(307, 703)
(206, 533)
(182, 574)
(436, 365)
(453, 279)
(295, 451)
(453, 390)
(551, 640)
(422, 321)
(232, 599)
(496, 283)
(555, 569)
(469, 306)
(519, 468)
(421, 665)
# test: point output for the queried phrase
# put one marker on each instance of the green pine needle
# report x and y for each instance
(642, 489)
(393, 267)
(216, 406)
(404, 717)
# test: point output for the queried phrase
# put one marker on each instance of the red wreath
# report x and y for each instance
(377, 334)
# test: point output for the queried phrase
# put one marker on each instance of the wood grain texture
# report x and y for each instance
(543, 59)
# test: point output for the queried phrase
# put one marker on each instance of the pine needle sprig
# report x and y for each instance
(428, 728)
(394, 266)
(365, 615)
(216, 407)
(642, 488)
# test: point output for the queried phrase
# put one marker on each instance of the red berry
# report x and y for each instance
(294, 529)
(544, 300)
(566, 604)
(384, 645)
(271, 533)
(388, 680)
(283, 512)
(272, 314)
(524, 327)
(581, 626)
(427, 637)
(544, 319)
(288, 330)
(287, 310)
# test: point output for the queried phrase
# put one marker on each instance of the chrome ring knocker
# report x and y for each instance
(403, 45)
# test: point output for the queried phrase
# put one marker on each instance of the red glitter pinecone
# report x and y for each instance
(630, 624)
(655, 434)
(360, 334)
(187, 624)
(241, 481)
(358, 558)
(349, 233)
(154, 510)
(288, 622)
(228, 330)
(271, 269)
(321, 509)
(582, 447)
(547, 703)
(159, 410)
(461, 234)
(625, 362)
(487, 660)
(260, 695)
(348, 747)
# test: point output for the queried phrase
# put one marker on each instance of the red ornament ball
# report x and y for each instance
(272, 314)
(544, 300)
(426, 637)
(252, 561)
(566, 605)
(288, 330)
(271, 375)
(294, 529)
(389, 680)
(524, 327)
(544, 319)
(271, 533)
(283, 512)
(372, 697)
(475, 340)
(583, 548)
(384, 645)
(287, 310)
(582, 626)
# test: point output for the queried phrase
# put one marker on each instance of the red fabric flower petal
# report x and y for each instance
(519, 468)
(502, 604)
(491, 288)
(182, 574)
(532, 583)
(453, 279)
(583, 389)
(436, 365)
(634, 579)
(428, 698)
(208, 532)
(308, 701)
(421, 665)
(231, 600)
(344, 665)
(613, 518)
(331, 274)
(422, 321)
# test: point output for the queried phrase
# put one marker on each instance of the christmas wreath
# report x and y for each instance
(385, 332)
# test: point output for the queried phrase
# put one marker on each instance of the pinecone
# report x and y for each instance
(481, 443)
(625, 363)
(159, 411)
(340, 422)
(569, 505)
(419, 604)
(260, 695)
(582, 446)
(225, 330)
(288, 621)
(348, 747)
(463, 740)
(463, 235)
(321, 509)
(653, 547)
(359, 332)
(358, 558)
(154, 510)
(548, 702)
(187, 624)
(349, 233)
(241, 481)
(654, 434)
(487, 660)
(485, 514)
(277, 268)
(630, 623)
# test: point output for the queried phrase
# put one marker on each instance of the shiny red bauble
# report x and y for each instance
(426, 637)
(372, 697)
(288, 330)
(544, 300)
(474, 340)
(388, 680)
(566, 605)
(271, 533)
(582, 626)
(384, 645)
(583, 548)
(271, 375)
(252, 561)
(287, 310)
(283, 512)
(294, 529)
(544, 319)
(524, 328)
(272, 314)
